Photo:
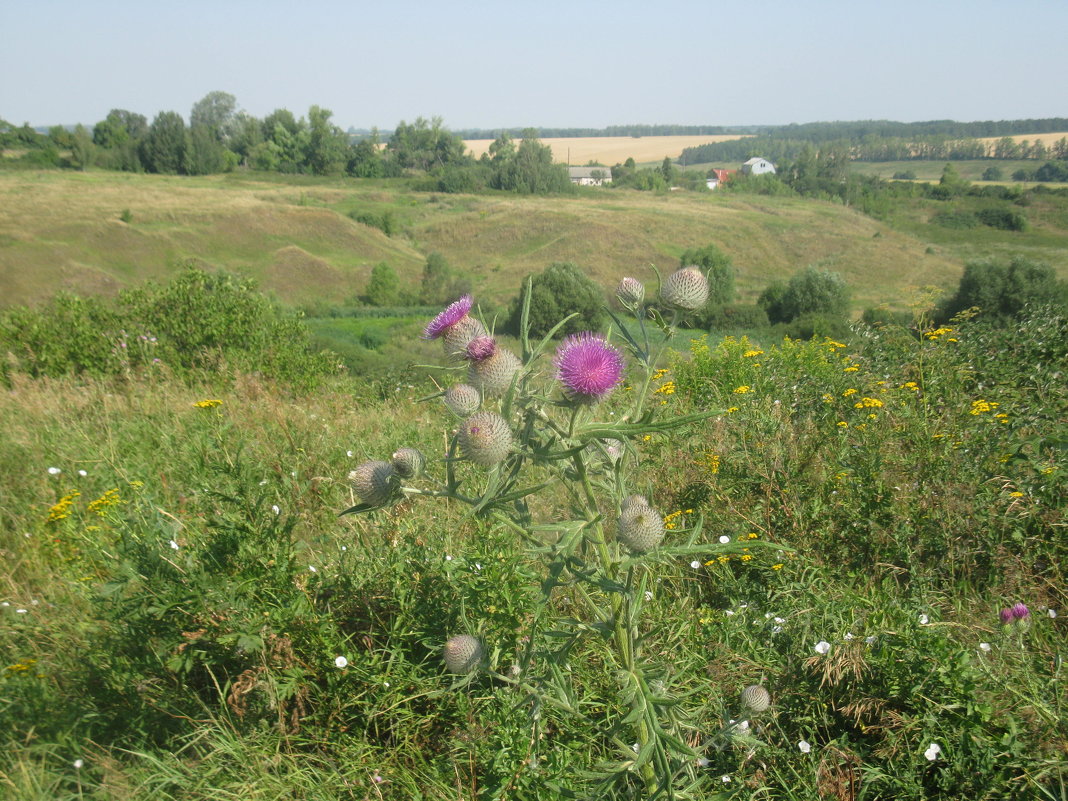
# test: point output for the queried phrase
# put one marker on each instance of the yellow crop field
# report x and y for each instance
(1045, 138)
(613, 149)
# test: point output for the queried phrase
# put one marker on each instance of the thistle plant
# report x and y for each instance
(535, 423)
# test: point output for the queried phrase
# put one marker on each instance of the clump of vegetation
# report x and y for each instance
(556, 294)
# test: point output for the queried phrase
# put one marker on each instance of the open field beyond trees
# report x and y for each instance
(609, 150)
(99, 232)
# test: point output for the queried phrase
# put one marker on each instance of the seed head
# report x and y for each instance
(462, 400)
(462, 654)
(685, 289)
(755, 698)
(640, 527)
(485, 438)
(491, 367)
(374, 482)
(630, 292)
(408, 463)
(588, 367)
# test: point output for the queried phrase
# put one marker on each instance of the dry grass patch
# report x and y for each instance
(1046, 139)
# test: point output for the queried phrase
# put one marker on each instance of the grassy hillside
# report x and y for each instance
(66, 231)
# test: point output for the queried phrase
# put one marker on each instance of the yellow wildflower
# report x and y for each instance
(751, 353)
(742, 389)
(849, 392)
(62, 508)
(208, 404)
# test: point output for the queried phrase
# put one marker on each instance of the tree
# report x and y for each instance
(441, 282)
(327, 152)
(425, 144)
(82, 148)
(1003, 290)
(215, 112)
(204, 154)
(561, 290)
(716, 265)
(529, 170)
(667, 169)
(809, 292)
(992, 174)
(384, 288)
(163, 149)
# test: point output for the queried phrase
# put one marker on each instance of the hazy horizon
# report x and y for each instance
(559, 65)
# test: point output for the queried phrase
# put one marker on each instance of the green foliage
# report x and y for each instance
(1004, 218)
(811, 291)
(527, 169)
(386, 222)
(957, 219)
(716, 265)
(442, 283)
(993, 173)
(384, 288)
(562, 289)
(736, 317)
(163, 149)
(1003, 290)
(199, 323)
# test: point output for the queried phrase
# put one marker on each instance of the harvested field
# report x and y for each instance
(613, 149)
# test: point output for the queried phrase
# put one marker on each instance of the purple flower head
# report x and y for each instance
(588, 367)
(1020, 611)
(453, 314)
(481, 348)
(1006, 615)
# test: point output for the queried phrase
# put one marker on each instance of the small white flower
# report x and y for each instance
(1052, 613)
(341, 662)
(849, 635)
(648, 595)
(78, 764)
(924, 620)
(344, 548)
(313, 568)
(870, 640)
(634, 747)
(478, 566)
(275, 509)
(779, 620)
(984, 646)
(932, 752)
(743, 726)
(83, 474)
(20, 611)
(702, 762)
(725, 779)
(263, 483)
(822, 647)
(385, 684)
(174, 545)
(54, 471)
(724, 539)
(804, 747)
(695, 564)
(293, 473)
(5, 603)
(767, 615)
(448, 558)
(728, 612)
(776, 629)
(349, 454)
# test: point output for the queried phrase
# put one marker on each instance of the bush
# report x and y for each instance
(1003, 290)
(955, 219)
(736, 317)
(561, 290)
(905, 175)
(809, 292)
(992, 174)
(384, 222)
(1005, 219)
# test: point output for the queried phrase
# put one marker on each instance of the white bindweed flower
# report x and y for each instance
(349, 454)
(82, 473)
(78, 764)
(54, 471)
(924, 620)
(174, 545)
(20, 611)
(313, 568)
(849, 635)
(725, 779)
(648, 595)
(870, 640)
(275, 509)
(695, 564)
(984, 646)
(1052, 613)
(724, 539)
(448, 558)
(341, 662)
(728, 612)
(779, 620)
(932, 752)
(804, 747)
(822, 647)
(776, 629)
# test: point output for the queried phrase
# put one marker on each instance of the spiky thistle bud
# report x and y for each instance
(685, 289)
(631, 292)
(632, 500)
(491, 367)
(408, 463)
(640, 527)
(485, 438)
(374, 482)
(463, 653)
(462, 400)
(755, 699)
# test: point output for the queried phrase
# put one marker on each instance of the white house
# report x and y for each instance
(758, 166)
(590, 176)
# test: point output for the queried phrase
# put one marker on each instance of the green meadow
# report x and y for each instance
(869, 528)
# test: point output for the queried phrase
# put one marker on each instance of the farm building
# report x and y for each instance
(590, 176)
(717, 177)
(758, 166)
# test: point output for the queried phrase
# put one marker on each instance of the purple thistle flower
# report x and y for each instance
(480, 348)
(1020, 611)
(588, 367)
(454, 313)
(1006, 615)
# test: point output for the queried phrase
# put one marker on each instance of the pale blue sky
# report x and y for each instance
(552, 63)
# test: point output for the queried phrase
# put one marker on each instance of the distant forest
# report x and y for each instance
(882, 140)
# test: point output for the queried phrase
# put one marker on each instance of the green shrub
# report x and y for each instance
(955, 219)
(1005, 219)
(735, 317)
(561, 290)
(809, 292)
(1003, 290)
